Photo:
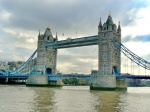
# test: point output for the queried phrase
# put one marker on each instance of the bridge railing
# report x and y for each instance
(62, 76)
(2, 72)
(69, 40)
(132, 56)
(23, 65)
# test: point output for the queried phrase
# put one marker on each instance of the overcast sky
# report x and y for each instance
(21, 20)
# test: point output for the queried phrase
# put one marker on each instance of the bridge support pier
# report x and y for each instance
(107, 83)
(41, 80)
(37, 80)
(3, 80)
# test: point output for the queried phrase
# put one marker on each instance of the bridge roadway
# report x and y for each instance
(128, 76)
(50, 76)
(83, 76)
(83, 41)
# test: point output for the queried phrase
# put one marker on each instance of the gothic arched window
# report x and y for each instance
(48, 38)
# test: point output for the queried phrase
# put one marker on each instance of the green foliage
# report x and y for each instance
(65, 81)
(71, 81)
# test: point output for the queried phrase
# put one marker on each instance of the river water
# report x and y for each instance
(19, 98)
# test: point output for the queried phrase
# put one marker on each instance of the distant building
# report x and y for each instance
(14, 65)
(3, 65)
(83, 82)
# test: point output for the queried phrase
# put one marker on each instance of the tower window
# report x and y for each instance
(103, 34)
(48, 38)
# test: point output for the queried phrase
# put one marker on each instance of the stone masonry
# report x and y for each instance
(109, 59)
(46, 56)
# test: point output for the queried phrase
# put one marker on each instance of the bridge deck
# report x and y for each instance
(13, 76)
(134, 76)
(55, 77)
(83, 41)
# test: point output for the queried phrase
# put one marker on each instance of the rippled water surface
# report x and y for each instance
(19, 98)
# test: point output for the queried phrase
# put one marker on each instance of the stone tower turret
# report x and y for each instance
(109, 59)
(100, 26)
(119, 29)
(46, 56)
(109, 55)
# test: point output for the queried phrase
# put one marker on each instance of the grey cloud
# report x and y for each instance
(63, 15)
(75, 55)
(10, 45)
(126, 39)
(139, 38)
(15, 54)
(75, 65)
(146, 57)
(80, 60)
(142, 38)
(23, 51)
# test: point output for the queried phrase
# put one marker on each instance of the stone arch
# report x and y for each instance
(48, 71)
(114, 70)
(48, 38)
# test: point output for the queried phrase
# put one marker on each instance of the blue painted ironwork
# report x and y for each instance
(135, 58)
(23, 65)
(14, 76)
(82, 76)
(9, 75)
(2, 72)
(83, 41)
(37, 72)
(129, 76)
(50, 77)
(56, 77)
(30, 70)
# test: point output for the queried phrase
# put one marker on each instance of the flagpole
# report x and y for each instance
(76, 33)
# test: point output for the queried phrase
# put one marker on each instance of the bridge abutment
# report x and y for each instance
(37, 80)
(103, 82)
(42, 80)
(109, 59)
(107, 83)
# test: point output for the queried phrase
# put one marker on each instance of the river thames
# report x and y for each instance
(19, 98)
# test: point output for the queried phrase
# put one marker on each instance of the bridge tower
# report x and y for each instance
(109, 59)
(46, 56)
(46, 61)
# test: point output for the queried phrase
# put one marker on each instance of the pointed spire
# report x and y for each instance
(119, 28)
(100, 23)
(100, 26)
(109, 19)
(48, 27)
(47, 32)
(56, 36)
(39, 34)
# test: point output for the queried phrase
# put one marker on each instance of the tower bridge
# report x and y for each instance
(78, 42)
(107, 77)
